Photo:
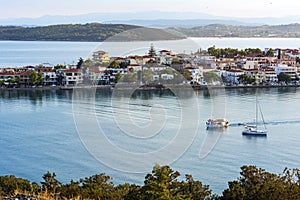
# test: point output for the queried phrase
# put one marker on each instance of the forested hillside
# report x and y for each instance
(82, 32)
(221, 30)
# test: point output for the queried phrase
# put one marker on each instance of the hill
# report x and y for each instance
(221, 30)
(84, 32)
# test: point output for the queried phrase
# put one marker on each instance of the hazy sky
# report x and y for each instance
(235, 8)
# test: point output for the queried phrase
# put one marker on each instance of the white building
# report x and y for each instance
(197, 74)
(73, 76)
(167, 76)
(281, 68)
(49, 77)
(232, 75)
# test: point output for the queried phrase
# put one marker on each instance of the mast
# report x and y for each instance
(256, 110)
(262, 116)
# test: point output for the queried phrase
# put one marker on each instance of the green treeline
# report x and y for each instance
(161, 184)
(222, 30)
(93, 32)
(66, 32)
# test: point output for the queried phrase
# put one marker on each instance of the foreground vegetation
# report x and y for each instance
(162, 183)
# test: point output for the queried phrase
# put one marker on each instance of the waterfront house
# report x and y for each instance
(232, 75)
(196, 74)
(73, 77)
(269, 75)
(49, 76)
(25, 78)
(284, 68)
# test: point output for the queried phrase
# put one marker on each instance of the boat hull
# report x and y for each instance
(255, 133)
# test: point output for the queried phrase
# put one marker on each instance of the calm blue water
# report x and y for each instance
(38, 134)
(22, 53)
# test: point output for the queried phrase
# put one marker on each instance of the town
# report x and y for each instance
(212, 67)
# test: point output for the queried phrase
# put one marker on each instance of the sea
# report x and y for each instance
(125, 133)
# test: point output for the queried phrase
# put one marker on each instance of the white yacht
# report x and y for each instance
(217, 123)
(252, 129)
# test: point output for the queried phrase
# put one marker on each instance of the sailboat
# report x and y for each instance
(253, 129)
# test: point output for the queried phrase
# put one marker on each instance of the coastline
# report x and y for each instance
(151, 88)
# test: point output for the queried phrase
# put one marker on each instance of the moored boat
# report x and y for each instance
(252, 130)
(217, 123)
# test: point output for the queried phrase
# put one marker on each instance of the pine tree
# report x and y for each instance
(152, 51)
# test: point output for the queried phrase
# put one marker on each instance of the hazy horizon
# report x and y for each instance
(15, 9)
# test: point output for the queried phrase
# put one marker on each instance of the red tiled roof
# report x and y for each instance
(71, 70)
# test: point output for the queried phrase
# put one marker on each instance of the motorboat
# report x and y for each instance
(217, 123)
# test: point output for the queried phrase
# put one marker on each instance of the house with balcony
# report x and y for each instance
(100, 57)
(25, 78)
(284, 68)
(72, 77)
(232, 75)
(166, 57)
(196, 74)
(49, 77)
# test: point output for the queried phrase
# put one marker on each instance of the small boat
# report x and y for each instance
(217, 123)
(252, 129)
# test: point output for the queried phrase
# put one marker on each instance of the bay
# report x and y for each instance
(38, 133)
(23, 53)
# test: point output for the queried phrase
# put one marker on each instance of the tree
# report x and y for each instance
(10, 184)
(71, 190)
(210, 77)
(163, 184)
(256, 183)
(297, 59)
(152, 51)
(176, 61)
(270, 53)
(60, 66)
(114, 64)
(79, 63)
(245, 79)
(284, 77)
(147, 75)
(60, 79)
(35, 78)
(186, 74)
(97, 187)
(47, 77)
(159, 184)
(118, 76)
(50, 185)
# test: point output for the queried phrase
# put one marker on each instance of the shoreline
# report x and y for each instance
(149, 88)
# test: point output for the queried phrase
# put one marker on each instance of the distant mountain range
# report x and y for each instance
(151, 19)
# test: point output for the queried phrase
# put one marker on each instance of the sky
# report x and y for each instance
(232, 8)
